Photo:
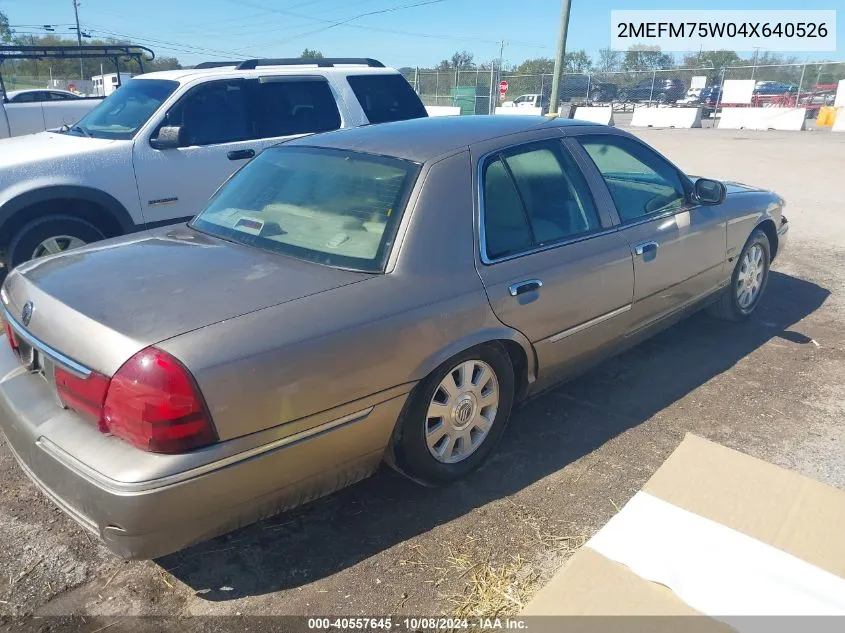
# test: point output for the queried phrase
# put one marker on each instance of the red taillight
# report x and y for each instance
(83, 395)
(153, 403)
(10, 334)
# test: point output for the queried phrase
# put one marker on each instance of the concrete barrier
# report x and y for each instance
(524, 111)
(838, 120)
(595, 114)
(443, 110)
(763, 118)
(667, 117)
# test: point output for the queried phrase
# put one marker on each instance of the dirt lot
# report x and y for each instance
(569, 459)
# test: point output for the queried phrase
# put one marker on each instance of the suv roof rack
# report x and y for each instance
(215, 65)
(326, 62)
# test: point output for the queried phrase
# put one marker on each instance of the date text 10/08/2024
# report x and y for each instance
(416, 624)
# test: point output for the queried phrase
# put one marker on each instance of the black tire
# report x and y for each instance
(727, 307)
(623, 96)
(28, 237)
(409, 451)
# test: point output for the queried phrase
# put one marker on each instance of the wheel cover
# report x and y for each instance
(57, 244)
(749, 281)
(461, 412)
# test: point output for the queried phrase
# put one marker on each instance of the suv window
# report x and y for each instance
(386, 97)
(640, 181)
(296, 106)
(534, 195)
(122, 113)
(214, 112)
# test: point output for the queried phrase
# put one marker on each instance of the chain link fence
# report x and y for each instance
(811, 85)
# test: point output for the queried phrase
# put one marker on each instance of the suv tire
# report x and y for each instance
(66, 231)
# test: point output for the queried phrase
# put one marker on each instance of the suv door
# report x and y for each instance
(219, 133)
(679, 247)
(553, 266)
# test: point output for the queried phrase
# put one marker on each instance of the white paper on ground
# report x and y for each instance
(713, 568)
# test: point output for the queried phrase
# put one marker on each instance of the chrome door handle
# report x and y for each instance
(645, 247)
(522, 287)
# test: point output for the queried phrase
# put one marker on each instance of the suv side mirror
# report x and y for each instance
(169, 137)
(709, 191)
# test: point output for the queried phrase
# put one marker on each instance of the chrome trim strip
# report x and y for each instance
(586, 324)
(152, 484)
(683, 306)
(81, 370)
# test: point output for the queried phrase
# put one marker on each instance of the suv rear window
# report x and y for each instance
(296, 106)
(386, 98)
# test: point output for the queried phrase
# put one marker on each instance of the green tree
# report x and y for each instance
(642, 57)
(5, 31)
(460, 60)
(609, 60)
(577, 62)
(712, 59)
(311, 54)
(536, 66)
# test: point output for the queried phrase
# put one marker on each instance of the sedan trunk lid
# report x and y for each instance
(135, 291)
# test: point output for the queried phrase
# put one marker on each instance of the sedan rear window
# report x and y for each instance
(337, 208)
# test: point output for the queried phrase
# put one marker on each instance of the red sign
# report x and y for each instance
(503, 87)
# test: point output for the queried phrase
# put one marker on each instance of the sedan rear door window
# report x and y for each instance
(534, 195)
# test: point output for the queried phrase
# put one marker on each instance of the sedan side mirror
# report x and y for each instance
(708, 191)
(169, 137)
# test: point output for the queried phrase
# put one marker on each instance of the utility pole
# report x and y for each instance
(561, 51)
(78, 38)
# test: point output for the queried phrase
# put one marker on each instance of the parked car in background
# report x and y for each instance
(774, 88)
(532, 100)
(709, 98)
(384, 292)
(154, 151)
(30, 111)
(662, 90)
(38, 95)
(586, 88)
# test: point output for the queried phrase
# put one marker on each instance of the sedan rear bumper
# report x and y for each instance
(140, 520)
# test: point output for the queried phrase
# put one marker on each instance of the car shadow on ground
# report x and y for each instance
(545, 434)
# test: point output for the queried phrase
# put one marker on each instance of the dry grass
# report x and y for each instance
(494, 584)
(493, 590)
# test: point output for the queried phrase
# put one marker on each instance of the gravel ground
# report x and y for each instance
(771, 387)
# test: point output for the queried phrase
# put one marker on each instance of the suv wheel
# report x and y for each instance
(50, 235)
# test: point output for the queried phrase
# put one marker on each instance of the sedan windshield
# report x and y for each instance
(337, 208)
(122, 113)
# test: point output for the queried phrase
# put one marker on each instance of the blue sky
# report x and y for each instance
(197, 30)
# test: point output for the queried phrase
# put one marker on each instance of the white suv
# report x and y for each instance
(153, 152)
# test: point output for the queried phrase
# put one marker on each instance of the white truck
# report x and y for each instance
(18, 118)
(153, 152)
